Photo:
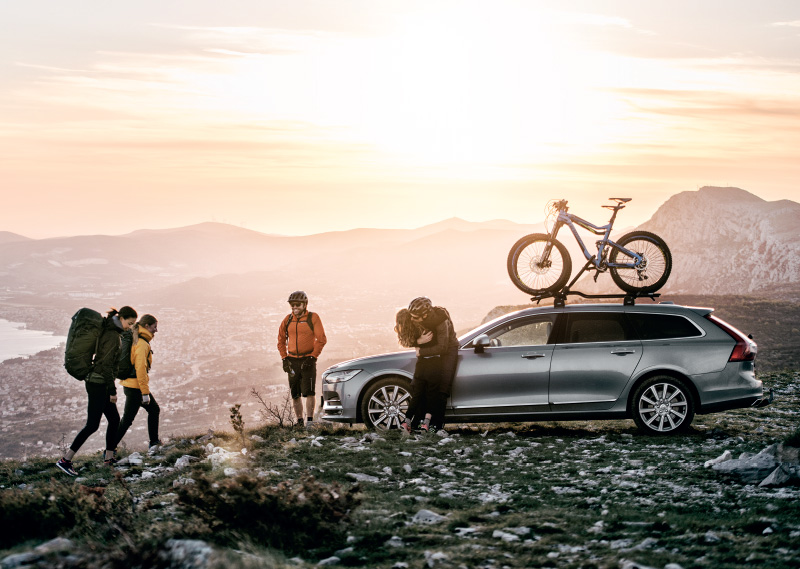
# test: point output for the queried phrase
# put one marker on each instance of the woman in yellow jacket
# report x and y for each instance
(137, 388)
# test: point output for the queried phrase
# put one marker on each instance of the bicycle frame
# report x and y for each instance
(570, 220)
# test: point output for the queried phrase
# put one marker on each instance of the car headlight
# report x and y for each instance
(339, 376)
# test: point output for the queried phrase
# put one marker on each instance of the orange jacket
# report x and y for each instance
(301, 341)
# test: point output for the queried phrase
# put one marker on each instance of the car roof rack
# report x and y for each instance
(560, 296)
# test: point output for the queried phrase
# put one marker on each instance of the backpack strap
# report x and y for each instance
(308, 321)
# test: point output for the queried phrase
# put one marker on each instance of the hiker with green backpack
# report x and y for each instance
(135, 360)
(93, 345)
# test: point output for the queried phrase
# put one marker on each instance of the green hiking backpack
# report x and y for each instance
(82, 341)
(125, 368)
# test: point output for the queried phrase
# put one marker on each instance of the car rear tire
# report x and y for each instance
(663, 405)
(385, 403)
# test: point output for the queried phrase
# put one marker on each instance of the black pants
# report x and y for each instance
(133, 402)
(425, 389)
(304, 377)
(447, 371)
(99, 404)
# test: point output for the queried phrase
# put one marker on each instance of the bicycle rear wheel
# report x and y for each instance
(530, 272)
(656, 265)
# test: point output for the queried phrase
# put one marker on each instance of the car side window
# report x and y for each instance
(524, 332)
(597, 327)
(663, 326)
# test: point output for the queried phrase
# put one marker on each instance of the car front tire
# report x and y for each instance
(385, 403)
(663, 405)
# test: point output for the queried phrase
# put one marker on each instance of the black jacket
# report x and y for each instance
(105, 369)
(444, 335)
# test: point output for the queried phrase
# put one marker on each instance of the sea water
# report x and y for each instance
(17, 341)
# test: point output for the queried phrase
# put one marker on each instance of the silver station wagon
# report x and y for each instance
(658, 364)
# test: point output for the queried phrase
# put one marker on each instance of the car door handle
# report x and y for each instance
(623, 351)
(532, 356)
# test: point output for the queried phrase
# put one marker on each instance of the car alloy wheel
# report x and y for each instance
(385, 404)
(663, 405)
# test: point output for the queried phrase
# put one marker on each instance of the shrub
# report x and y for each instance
(48, 510)
(291, 516)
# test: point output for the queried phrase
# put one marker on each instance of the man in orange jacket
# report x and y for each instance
(301, 338)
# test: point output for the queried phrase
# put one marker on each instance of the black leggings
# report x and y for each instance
(133, 401)
(429, 389)
(99, 404)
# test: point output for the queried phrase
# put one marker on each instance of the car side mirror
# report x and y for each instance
(480, 343)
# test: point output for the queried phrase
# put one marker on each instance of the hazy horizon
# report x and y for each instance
(306, 117)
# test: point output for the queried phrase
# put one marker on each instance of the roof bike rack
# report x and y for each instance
(560, 296)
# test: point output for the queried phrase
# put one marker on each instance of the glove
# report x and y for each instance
(308, 362)
(146, 399)
(113, 399)
(287, 367)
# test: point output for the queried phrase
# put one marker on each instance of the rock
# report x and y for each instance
(182, 482)
(626, 564)
(256, 438)
(505, 536)
(147, 474)
(750, 470)
(207, 437)
(133, 459)
(395, 541)
(230, 472)
(427, 517)
(333, 560)
(433, 558)
(358, 477)
(185, 461)
(725, 456)
(54, 545)
(784, 475)
(19, 560)
(711, 537)
(187, 553)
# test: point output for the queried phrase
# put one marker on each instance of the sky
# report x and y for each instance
(309, 116)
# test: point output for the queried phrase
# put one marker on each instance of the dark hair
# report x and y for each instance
(147, 320)
(407, 330)
(125, 312)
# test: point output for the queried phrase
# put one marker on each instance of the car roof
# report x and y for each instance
(663, 308)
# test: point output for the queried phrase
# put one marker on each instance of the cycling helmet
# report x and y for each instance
(420, 306)
(298, 296)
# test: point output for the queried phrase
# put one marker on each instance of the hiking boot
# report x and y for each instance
(405, 428)
(110, 461)
(300, 424)
(154, 447)
(66, 466)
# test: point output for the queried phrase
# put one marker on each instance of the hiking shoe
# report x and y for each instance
(300, 424)
(154, 447)
(66, 466)
(110, 461)
(406, 428)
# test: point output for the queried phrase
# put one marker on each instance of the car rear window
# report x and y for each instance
(663, 326)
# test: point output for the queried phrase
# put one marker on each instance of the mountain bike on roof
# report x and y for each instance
(639, 262)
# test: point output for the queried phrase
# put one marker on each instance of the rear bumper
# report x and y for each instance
(741, 403)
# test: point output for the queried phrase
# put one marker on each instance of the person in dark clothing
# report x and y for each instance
(411, 335)
(101, 388)
(437, 356)
(137, 386)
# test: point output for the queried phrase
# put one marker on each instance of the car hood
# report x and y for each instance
(393, 360)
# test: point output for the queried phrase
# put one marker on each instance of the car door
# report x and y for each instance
(593, 360)
(511, 375)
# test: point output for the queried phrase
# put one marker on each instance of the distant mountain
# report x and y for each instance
(8, 237)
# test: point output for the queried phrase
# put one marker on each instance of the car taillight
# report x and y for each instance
(742, 351)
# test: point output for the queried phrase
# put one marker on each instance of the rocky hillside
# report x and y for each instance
(728, 241)
(582, 494)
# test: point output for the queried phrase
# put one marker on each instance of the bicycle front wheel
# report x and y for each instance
(531, 272)
(654, 270)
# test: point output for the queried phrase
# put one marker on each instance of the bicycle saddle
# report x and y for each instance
(619, 201)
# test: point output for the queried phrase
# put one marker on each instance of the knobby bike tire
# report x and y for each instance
(531, 277)
(659, 262)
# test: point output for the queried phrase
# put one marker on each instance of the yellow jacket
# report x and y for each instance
(142, 359)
